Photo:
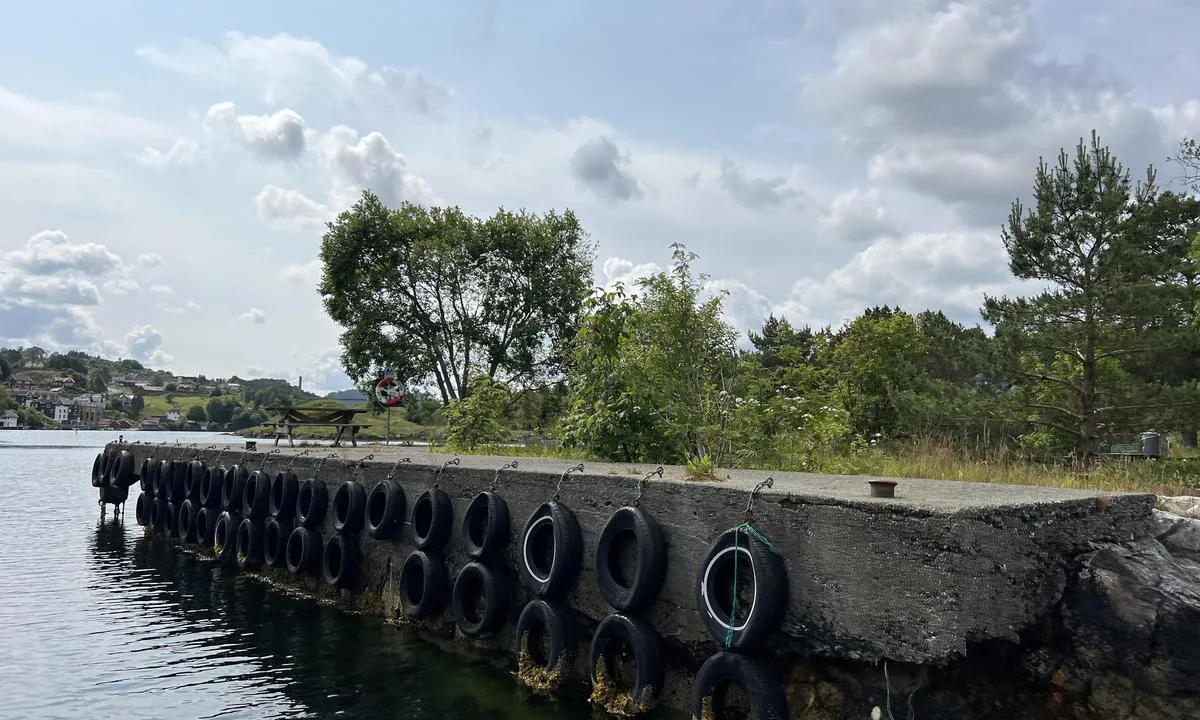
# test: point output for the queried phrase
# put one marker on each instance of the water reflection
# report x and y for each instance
(271, 655)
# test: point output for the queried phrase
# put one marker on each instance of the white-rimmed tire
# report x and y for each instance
(551, 551)
(761, 586)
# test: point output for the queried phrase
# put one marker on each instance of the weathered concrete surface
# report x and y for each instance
(919, 579)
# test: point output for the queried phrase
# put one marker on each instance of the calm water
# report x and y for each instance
(98, 621)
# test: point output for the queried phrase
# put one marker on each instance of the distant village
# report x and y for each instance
(72, 407)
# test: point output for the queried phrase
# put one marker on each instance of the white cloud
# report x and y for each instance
(143, 342)
(50, 252)
(278, 136)
(370, 163)
(290, 208)
(857, 216)
(182, 152)
(253, 316)
(307, 274)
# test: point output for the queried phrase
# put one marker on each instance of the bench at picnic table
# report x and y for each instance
(340, 418)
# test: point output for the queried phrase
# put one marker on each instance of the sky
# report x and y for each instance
(166, 168)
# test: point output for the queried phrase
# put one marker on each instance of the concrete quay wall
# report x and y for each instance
(916, 579)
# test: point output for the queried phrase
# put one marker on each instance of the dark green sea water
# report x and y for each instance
(98, 621)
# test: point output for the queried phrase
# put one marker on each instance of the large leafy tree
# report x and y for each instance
(1087, 237)
(441, 296)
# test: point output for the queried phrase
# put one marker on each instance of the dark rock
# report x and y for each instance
(1132, 617)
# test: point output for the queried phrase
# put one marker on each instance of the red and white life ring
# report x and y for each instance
(388, 392)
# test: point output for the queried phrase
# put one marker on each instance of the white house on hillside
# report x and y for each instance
(62, 413)
(8, 419)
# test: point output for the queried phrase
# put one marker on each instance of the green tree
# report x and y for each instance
(196, 414)
(5, 368)
(439, 295)
(137, 405)
(221, 409)
(1086, 238)
(879, 360)
(479, 418)
(652, 374)
(96, 382)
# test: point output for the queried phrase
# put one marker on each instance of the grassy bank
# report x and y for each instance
(940, 460)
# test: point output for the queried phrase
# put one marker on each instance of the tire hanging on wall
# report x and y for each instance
(121, 470)
(760, 683)
(311, 503)
(177, 489)
(755, 618)
(385, 509)
(349, 504)
(256, 495)
(540, 668)
(98, 470)
(432, 519)
(143, 510)
(145, 474)
(158, 515)
(231, 488)
(551, 551)
(275, 538)
(186, 523)
(486, 526)
(225, 536)
(339, 560)
(196, 473)
(249, 544)
(171, 526)
(423, 591)
(206, 518)
(284, 488)
(303, 552)
(621, 635)
(636, 593)
(478, 586)
(211, 486)
(162, 478)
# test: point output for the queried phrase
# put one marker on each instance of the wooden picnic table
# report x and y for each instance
(341, 418)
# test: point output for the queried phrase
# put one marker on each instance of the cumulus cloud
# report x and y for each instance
(370, 163)
(143, 342)
(601, 167)
(182, 152)
(761, 194)
(50, 252)
(253, 316)
(289, 208)
(278, 136)
(857, 216)
(306, 274)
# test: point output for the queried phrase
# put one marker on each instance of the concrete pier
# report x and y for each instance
(916, 579)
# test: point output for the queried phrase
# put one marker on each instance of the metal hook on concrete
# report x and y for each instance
(769, 482)
(502, 468)
(297, 456)
(437, 479)
(358, 466)
(264, 457)
(392, 473)
(321, 462)
(558, 488)
(642, 484)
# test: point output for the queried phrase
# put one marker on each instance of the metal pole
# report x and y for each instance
(387, 438)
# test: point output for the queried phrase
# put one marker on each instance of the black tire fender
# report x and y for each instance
(122, 473)
(303, 551)
(551, 552)
(249, 544)
(196, 472)
(145, 473)
(158, 515)
(143, 510)
(231, 488)
(210, 488)
(385, 509)
(256, 495)
(161, 480)
(486, 526)
(477, 585)
(636, 593)
(97, 470)
(312, 502)
(760, 683)
(537, 668)
(177, 488)
(186, 523)
(715, 586)
(349, 505)
(171, 525)
(206, 518)
(423, 591)
(275, 538)
(615, 635)
(284, 488)
(432, 519)
(339, 560)
(225, 536)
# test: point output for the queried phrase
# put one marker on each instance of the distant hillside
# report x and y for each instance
(350, 397)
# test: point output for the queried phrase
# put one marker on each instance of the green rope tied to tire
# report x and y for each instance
(750, 530)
